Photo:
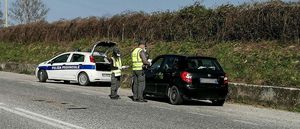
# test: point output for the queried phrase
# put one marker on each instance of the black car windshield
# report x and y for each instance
(203, 63)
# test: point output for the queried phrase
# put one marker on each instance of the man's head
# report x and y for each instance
(142, 44)
(116, 52)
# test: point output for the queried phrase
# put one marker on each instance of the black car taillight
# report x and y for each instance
(186, 77)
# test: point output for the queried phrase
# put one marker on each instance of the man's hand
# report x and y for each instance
(150, 61)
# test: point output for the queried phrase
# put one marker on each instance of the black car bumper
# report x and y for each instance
(215, 93)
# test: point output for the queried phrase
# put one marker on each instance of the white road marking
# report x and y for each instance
(246, 122)
(40, 118)
(1, 103)
(49, 119)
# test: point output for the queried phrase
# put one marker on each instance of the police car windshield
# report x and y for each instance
(203, 63)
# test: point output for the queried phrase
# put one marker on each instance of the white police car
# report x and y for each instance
(82, 67)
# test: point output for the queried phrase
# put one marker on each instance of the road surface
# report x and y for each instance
(28, 104)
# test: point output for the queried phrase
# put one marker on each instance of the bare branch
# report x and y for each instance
(27, 11)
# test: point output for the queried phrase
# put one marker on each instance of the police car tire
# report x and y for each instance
(175, 96)
(86, 82)
(42, 76)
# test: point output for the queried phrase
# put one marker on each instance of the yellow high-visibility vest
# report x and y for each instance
(117, 63)
(137, 63)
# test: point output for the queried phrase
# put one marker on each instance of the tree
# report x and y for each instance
(27, 11)
(1, 18)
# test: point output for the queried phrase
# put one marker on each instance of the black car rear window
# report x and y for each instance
(203, 63)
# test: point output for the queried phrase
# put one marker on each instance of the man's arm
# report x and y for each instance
(144, 58)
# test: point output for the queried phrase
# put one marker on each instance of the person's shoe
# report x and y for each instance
(143, 100)
(118, 96)
(136, 100)
(114, 97)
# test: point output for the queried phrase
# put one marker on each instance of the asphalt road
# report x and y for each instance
(28, 104)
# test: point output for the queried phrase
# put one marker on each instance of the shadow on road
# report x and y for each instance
(186, 103)
(97, 84)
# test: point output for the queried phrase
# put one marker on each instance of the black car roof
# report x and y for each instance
(174, 55)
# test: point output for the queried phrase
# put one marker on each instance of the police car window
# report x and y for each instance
(61, 59)
(77, 58)
(156, 65)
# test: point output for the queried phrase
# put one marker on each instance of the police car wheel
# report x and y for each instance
(83, 79)
(42, 76)
(175, 96)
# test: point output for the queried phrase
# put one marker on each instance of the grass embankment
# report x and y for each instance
(266, 63)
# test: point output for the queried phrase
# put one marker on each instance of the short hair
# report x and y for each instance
(141, 42)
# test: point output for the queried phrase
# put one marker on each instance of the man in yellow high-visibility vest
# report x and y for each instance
(139, 60)
(116, 73)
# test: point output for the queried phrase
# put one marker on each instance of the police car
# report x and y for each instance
(82, 67)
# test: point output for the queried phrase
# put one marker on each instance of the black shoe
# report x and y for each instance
(143, 100)
(118, 96)
(114, 97)
(135, 100)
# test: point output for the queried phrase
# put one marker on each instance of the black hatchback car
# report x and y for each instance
(182, 78)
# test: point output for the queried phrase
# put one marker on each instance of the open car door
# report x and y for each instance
(100, 54)
(103, 47)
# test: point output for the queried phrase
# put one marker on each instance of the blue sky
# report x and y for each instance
(70, 9)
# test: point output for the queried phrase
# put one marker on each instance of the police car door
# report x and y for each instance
(76, 61)
(56, 70)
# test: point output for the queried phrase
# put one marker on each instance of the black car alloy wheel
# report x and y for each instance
(175, 96)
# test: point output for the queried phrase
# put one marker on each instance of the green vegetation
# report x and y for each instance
(267, 63)
(273, 20)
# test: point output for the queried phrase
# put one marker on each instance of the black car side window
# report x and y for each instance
(156, 65)
(61, 59)
(169, 63)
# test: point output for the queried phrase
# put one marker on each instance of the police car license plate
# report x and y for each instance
(209, 81)
(105, 75)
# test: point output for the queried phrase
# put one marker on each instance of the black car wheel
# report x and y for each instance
(42, 76)
(175, 96)
(218, 102)
(83, 79)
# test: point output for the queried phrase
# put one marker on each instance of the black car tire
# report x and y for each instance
(42, 76)
(218, 102)
(175, 96)
(83, 79)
